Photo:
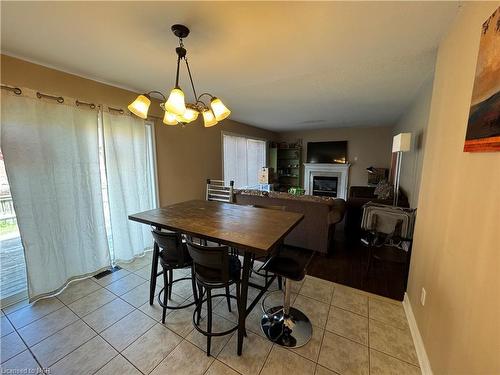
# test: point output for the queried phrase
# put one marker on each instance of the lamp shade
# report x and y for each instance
(140, 106)
(219, 109)
(175, 103)
(401, 142)
(209, 118)
(188, 116)
(170, 119)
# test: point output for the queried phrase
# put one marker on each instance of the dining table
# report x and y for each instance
(250, 230)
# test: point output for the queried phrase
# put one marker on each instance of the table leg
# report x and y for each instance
(154, 273)
(242, 307)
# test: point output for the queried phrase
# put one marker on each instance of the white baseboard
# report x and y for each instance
(423, 360)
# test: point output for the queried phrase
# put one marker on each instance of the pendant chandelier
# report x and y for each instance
(175, 107)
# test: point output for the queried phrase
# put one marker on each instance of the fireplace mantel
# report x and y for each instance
(326, 169)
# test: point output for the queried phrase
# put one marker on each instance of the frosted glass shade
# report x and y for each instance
(140, 106)
(189, 115)
(401, 142)
(219, 109)
(170, 119)
(175, 103)
(209, 118)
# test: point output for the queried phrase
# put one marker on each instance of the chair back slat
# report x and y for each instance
(216, 191)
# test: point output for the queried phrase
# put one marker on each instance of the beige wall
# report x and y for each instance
(370, 146)
(415, 122)
(456, 254)
(185, 156)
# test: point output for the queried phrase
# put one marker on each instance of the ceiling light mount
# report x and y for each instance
(175, 107)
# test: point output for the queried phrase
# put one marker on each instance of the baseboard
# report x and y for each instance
(423, 360)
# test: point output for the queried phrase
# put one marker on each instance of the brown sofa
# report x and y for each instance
(316, 230)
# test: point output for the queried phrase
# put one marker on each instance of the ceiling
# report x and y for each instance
(279, 66)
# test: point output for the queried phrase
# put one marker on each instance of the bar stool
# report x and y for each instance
(213, 268)
(283, 324)
(173, 255)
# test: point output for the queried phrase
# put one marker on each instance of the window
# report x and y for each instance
(243, 158)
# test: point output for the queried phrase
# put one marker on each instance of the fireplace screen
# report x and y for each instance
(325, 186)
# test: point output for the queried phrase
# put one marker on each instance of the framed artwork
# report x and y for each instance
(483, 128)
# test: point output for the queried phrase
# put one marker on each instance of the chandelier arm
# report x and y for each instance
(190, 78)
(205, 93)
(159, 93)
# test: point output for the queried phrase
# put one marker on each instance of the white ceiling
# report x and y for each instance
(277, 65)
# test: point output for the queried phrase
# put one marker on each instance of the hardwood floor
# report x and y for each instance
(347, 263)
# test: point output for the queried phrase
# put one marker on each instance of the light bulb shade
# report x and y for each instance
(209, 118)
(219, 109)
(170, 119)
(140, 106)
(188, 116)
(175, 103)
(401, 142)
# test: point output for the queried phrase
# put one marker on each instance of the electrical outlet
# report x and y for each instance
(422, 297)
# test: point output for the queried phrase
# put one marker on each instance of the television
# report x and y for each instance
(327, 152)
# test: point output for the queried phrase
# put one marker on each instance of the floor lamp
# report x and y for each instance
(400, 143)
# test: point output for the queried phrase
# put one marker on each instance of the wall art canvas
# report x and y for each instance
(483, 129)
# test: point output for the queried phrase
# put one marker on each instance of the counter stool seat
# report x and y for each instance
(283, 324)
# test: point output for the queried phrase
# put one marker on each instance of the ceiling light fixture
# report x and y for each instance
(175, 107)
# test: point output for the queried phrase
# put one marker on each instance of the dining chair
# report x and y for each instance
(213, 268)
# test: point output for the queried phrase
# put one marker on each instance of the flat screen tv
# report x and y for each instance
(327, 152)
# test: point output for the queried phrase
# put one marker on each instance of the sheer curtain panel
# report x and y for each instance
(52, 162)
(129, 183)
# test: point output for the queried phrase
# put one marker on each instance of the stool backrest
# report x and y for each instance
(211, 263)
(173, 250)
(216, 191)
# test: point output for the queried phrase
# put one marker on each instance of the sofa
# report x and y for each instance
(359, 196)
(321, 214)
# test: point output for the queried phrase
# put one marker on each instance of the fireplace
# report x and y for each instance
(325, 186)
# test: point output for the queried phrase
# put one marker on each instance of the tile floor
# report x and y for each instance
(106, 326)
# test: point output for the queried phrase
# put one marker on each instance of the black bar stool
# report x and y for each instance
(213, 268)
(173, 255)
(283, 324)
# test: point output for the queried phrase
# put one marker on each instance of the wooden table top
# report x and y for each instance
(243, 227)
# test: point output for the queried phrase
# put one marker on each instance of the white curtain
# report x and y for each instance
(243, 158)
(129, 183)
(52, 161)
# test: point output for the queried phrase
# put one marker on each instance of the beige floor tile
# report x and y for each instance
(316, 311)
(348, 324)
(296, 285)
(391, 340)
(311, 349)
(219, 368)
(219, 324)
(284, 362)
(137, 264)
(183, 288)
(151, 348)
(108, 314)
(87, 359)
(112, 277)
(92, 302)
(390, 313)
(127, 330)
(125, 284)
(14, 307)
(382, 364)
(181, 321)
(138, 296)
(317, 289)
(276, 298)
(55, 347)
(155, 311)
(118, 366)
(349, 300)
(46, 326)
(5, 328)
(220, 305)
(11, 345)
(320, 370)
(185, 359)
(251, 361)
(343, 356)
(78, 289)
(145, 273)
(253, 321)
(35, 311)
(23, 363)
